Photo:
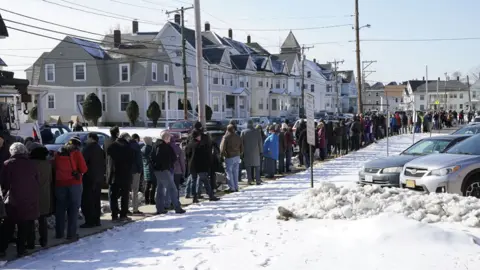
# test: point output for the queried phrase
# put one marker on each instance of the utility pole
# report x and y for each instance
(359, 71)
(302, 105)
(335, 73)
(365, 73)
(199, 49)
(469, 95)
(184, 58)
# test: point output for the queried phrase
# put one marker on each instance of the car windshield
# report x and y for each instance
(477, 119)
(181, 125)
(426, 147)
(470, 146)
(468, 130)
(64, 138)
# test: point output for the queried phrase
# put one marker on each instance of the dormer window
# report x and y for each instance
(124, 72)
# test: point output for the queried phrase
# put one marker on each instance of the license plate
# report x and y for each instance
(410, 184)
(368, 178)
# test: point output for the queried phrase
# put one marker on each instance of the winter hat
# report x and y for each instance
(75, 140)
(32, 146)
(198, 125)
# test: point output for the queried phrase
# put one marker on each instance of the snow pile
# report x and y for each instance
(327, 201)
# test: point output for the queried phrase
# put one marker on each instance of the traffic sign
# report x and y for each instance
(310, 113)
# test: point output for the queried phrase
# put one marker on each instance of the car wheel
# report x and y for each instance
(472, 188)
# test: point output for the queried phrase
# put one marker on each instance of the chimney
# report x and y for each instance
(423, 79)
(207, 26)
(177, 19)
(230, 33)
(439, 78)
(134, 26)
(117, 38)
(314, 60)
(458, 78)
(249, 39)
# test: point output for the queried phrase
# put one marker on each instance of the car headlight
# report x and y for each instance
(362, 169)
(445, 171)
(392, 170)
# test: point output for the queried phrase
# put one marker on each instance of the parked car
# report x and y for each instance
(217, 125)
(64, 138)
(181, 129)
(470, 129)
(475, 121)
(456, 171)
(262, 121)
(386, 171)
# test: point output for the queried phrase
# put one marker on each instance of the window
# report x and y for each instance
(104, 102)
(312, 88)
(260, 104)
(231, 80)
(216, 103)
(215, 77)
(376, 102)
(50, 72)
(277, 84)
(461, 95)
(298, 84)
(309, 74)
(124, 71)
(422, 97)
(460, 106)
(241, 83)
(396, 100)
(79, 72)
(260, 83)
(241, 103)
(284, 84)
(267, 82)
(154, 72)
(124, 99)
(79, 99)
(166, 73)
(223, 80)
(247, 83)
(189, 76)
(422, 107)
(376, 94)
(274, 104)
(50, 101)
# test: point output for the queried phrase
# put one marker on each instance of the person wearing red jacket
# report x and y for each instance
(70, 166)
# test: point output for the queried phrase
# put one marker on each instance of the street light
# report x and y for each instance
(365, 26)
(3, 29)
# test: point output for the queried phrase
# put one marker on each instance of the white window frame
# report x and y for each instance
(120, 100)
(48, 101)
(260, 82)
(215, 78)
(120, 72)
(154, 72)
(46, 72)
(166, 73)
(260, 104)
(189, 75)
(104, 101)
(75, 99)
(216, 102)
(75, 72)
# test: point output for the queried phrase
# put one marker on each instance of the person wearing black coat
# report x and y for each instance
(120, 157)
(92, 181)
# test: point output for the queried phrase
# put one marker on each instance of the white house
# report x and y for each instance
(446, 95)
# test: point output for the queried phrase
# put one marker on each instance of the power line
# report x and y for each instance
(298, 18)
(290, 29)
(420, 39)
(138, 6)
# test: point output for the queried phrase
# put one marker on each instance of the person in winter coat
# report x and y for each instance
(199, 159)
(338, 135)
(38, 154)
(368, 130)
(252, 152)
(288, 146)
(178, 169)
(231, 148)
(204, 140)
(137, 168)
(282, 148)
(303, 145)
(264, 137)
(270, 151)
(148, 171)
(355, 131)
(345, 132)
(120, 157)
(20, 184)
(163, 159)
(77, 127)
(93, 180)
(322, 142)
(70, 167)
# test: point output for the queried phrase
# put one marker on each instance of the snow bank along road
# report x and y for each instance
(241, 232)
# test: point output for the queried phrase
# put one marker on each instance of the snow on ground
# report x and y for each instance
(241, 232)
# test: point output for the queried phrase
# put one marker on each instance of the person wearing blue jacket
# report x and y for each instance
(270, 152)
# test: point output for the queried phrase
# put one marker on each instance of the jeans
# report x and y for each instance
(270, 167)
(253, 172)
(118, 191)
(165, 181)
(176, 179)
(232, 165)
(68, 200)
(198, 178)
(281, 163)
(135, 189)
(288, 158)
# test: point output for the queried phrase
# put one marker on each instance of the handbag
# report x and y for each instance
(75, 173)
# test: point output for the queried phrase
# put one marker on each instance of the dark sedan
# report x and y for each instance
(64, 138)
(386, 171)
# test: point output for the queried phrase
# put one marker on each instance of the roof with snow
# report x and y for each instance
(278, 66)
(2, 63)
(257, 48)
(449, 86)
(190, 35)
(289, 57)
(239, 46)
(91, 48)
(259, 62)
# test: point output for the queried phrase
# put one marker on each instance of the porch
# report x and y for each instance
(172, 104)
(230, 105)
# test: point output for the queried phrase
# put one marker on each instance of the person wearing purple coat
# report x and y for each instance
(178, 170)
(20, 183)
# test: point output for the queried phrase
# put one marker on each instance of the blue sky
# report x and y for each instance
(397, 61)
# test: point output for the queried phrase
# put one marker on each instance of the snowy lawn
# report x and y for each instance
(241, 232)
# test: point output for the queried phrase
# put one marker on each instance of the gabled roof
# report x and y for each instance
(377, 86)
(289, 57)
(260, 62)
(278, 66)
(414, 84)
(241, 48)
(449, 86)
(190, 35)
(2, 63)
(290, 42)
(239, 61)
(392, 83)
(213, 55)
(91, 48)
(258, 48)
